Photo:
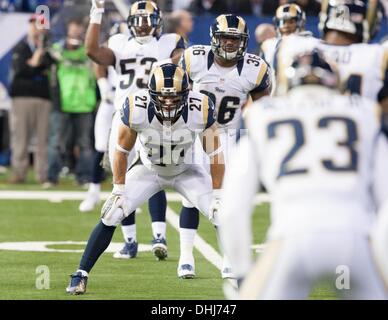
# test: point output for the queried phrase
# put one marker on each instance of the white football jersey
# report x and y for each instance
(315, 151)
(228, 88)
(134, 61)
(268, 48)
(362, 67)
(168, 150)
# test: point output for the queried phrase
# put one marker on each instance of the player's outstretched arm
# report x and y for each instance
(126, 141)
(239, 189)
(97, 53)
(212, 146)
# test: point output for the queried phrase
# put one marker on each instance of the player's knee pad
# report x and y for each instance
(186, 203)
(113, 218)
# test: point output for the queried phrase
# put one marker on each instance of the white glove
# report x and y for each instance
(96, 11)
(215, 207)
(116, 200)
(106, 91)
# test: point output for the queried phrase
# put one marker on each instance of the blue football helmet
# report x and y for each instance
(361, 18)
(229, 26)
(169, 89)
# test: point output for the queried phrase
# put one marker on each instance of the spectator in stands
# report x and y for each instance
(269, 6)
(180, 22)
(310, 7)
(199, 7)
(31, 103)
(74, 98)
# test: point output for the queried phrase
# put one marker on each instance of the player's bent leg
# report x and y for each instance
(98, 242)
(92, 198)
(128, 228)
(157, 205)
(141, 184)
(188, 225)
(102, 128)
(366, 278)
(279, 274)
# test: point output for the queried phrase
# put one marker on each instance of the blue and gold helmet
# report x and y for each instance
(229, 26)
(311, 68)
(169, 89)
(144, 21)
(361, 18)
(289, 12)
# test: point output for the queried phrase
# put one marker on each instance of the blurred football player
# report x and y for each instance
(165, 121)
(133, 60)
(322, 158)
(106, 81)
(289, 19)
(229, 76)
(346, 28)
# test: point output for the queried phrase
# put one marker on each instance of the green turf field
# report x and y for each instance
(139, 278)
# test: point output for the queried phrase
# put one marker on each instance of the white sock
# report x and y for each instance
(129, 232)
(84, 273)
(187, 237)
(159, 229)
(94, 188)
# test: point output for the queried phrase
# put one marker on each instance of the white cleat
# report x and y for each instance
(90, 202)
(186, 271)
(226, 272)
(186, 268)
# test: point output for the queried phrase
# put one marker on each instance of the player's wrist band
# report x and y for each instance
(118, 188)
(96, 16)
(121, 149)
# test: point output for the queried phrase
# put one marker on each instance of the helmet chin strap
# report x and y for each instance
(145, 39)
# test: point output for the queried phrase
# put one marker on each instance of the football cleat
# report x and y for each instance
(227, 273)
(77, 284)
(129, 251)
(186, 271)
(159, 248)
(90, 202)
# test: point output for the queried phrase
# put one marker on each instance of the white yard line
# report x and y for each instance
(58, 196)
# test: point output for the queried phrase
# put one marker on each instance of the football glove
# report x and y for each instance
(96, 11)
(115, 208)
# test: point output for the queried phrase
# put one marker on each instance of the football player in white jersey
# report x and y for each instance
(106, 80)
(133, 60)
(346, 28)
(322, 158)
(165, 120)
(289, 19)
(229, 76)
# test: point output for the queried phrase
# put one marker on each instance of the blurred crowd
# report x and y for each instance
(196, 7)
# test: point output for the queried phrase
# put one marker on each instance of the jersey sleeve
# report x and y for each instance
(125, 111)
(171, 42)
(194, 61)
(262, 81)
(134, 110)
(209, 112)
(115, 43)
(185, 60)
